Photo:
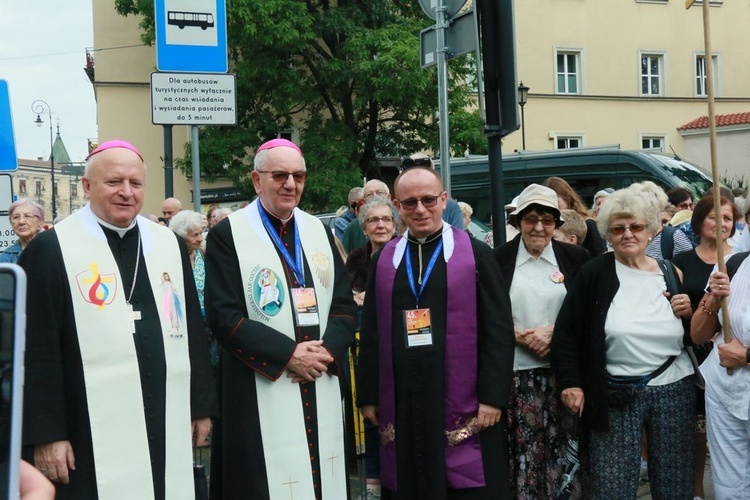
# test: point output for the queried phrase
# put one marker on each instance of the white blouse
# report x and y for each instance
(733, 391)
(536, 295)
(641, 331)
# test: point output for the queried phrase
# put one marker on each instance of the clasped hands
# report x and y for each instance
(537, 340)
(309, 361)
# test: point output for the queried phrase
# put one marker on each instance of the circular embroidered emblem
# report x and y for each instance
(268, 292)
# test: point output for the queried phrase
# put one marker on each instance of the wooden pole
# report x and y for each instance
(709, 70)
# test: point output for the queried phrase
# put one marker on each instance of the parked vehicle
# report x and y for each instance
(587, 170)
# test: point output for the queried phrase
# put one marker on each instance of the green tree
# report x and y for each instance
(345, 72)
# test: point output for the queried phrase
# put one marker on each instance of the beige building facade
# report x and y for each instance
(626, 72)
(33, 180)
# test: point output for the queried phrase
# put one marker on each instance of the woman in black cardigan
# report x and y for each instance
(537, 271)
(617, 321)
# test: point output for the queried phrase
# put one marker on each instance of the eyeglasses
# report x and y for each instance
(380, 193)
(385, 219)
(281, 176)
(635, 227)
(19, 217)
(533, 220)
(427, 202)
(686, 205)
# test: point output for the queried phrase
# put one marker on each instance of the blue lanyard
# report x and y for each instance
(427, 272)
(297, 267)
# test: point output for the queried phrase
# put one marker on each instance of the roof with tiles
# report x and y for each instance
(721, 121)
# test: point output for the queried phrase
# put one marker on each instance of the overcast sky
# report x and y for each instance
(42, 55)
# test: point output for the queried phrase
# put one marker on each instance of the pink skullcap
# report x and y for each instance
(115, 144)
(278, 143)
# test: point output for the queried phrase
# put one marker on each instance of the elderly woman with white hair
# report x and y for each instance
(189, 225)
(619, 354)
(26, 217)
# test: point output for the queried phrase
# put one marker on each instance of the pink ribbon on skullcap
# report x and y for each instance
(278, 143)
(117, 143)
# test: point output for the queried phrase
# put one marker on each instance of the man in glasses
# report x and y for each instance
(436, 356)
(452, 213)
(279, 302)
(341, 222)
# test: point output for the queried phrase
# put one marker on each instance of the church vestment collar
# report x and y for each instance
(448, 244)
(121, 231)
(275, 219)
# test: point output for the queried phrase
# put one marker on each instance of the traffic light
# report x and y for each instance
(497, 38)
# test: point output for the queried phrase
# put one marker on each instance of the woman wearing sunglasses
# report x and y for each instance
(537, 271)
(618, 351)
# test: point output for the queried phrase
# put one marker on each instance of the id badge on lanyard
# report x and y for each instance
(417, 321)
(305, 306)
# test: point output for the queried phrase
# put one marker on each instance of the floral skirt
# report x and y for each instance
(538, 430)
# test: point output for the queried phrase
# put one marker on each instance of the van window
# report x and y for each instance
(688, 175)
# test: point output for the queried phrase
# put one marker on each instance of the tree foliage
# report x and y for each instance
(345, 73)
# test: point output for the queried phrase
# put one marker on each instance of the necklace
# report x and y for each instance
(135, 273)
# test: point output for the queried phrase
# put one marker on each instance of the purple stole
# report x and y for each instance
(463, 454)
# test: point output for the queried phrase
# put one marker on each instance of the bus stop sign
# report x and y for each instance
(191, 36)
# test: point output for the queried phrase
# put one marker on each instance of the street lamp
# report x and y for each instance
(40, 107)
(523, 94)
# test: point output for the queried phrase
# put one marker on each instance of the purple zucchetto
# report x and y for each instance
(278, 143)
(117, 143)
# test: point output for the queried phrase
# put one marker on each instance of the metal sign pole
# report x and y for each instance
(195, 153)
(168, 166)
(442, 70)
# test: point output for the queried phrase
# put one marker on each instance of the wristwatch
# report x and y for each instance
(747, 356)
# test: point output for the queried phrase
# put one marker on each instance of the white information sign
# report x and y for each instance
(7, 237)
(193, 99)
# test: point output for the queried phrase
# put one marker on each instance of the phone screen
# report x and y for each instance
(12, 330)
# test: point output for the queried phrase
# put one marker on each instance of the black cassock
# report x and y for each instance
(238, 469)
(419, 376)
(55, 404)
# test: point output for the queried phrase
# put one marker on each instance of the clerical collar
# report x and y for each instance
(274, 216)
(427, 239)
(121, 231)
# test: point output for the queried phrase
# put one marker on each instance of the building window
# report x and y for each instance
(652, 142)
(74, 189)
(568, 71)
(566, 142)
(700, 74)
(21, 186)
(38, 188)
(652, 74)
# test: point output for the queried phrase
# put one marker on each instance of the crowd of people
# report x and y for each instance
(476, 366)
